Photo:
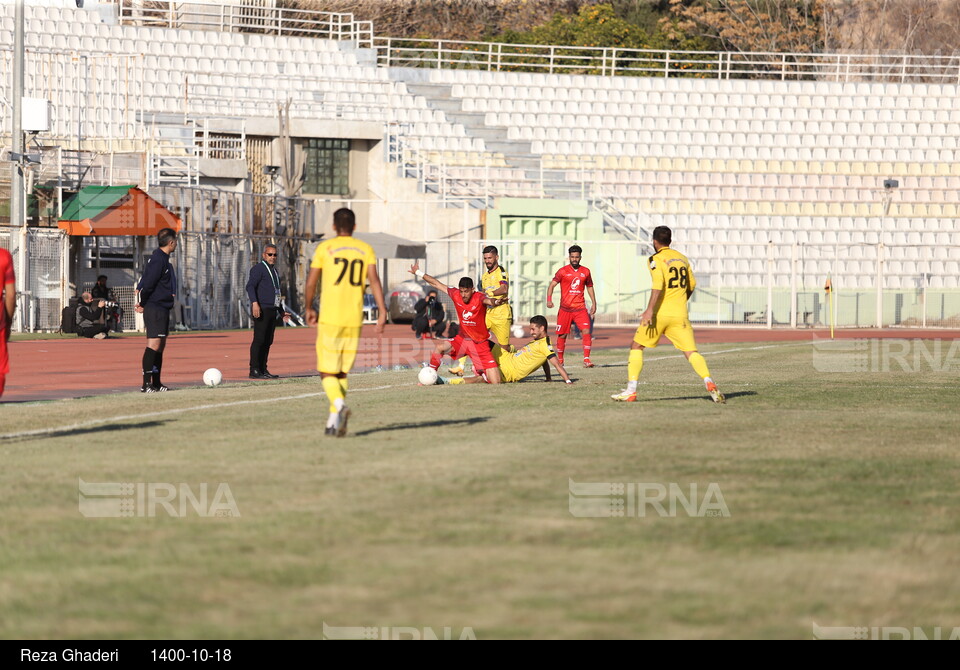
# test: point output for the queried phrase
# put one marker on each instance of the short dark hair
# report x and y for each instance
(431, 292)
(101, 277)
(491, 250)
(662, 235)
(575, 249)
(344, 220)
(538, 320)
(166, 236)
(466, 282)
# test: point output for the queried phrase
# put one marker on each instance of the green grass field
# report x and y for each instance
(449, 506)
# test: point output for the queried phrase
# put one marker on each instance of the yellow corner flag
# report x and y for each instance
(828, 287)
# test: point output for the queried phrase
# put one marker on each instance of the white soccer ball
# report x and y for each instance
(517, 330)
(212, 377)
(427, 376)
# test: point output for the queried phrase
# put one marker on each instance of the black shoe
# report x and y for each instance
(256, 374)
(331, 430)
(269, 375)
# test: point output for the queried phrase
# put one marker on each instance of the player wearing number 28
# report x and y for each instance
(341, 265)
(666, 314)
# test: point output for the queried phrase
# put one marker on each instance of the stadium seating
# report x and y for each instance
(729, 162)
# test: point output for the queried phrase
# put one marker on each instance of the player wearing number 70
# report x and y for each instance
(341, 266)
(666, 314)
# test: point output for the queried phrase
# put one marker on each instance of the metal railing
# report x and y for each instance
(611, 61)
(247, 17)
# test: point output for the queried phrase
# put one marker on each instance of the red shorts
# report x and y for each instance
(565, 317)
(479, 352)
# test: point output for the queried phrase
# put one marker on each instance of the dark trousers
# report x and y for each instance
(90, 331)
(422, 325)
(263, 329)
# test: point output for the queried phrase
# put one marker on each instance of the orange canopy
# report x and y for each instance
(115, 210)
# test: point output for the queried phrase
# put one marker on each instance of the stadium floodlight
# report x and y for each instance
(272, 170)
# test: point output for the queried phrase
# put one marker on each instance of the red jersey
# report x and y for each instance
(573, 284)
(472, 315)
(6, 282)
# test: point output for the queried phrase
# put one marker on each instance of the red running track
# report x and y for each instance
(71, 367)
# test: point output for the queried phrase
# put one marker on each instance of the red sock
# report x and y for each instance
(435, 360)
(587, 341)
(561, 345)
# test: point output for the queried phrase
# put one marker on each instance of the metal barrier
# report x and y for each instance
(780, 286)
(247, 17)
(763, 285)
(612, 61)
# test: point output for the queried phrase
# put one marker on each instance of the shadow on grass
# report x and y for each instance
(728, 396)
(65, 432)
(423, 424)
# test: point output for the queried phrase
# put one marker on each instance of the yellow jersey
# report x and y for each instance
(671, 273)
(524, 361)
(490, 282)
(344, 261)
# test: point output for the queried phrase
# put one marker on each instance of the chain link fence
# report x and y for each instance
(772, 285)
(39, 261)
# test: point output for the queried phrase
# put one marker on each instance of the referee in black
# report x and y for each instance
(156, 292)
(263, 289)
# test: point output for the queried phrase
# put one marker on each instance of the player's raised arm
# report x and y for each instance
(310, 292)
(377, 288)
(553, 285)
(432, 281)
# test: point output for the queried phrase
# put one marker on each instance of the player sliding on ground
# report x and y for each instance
(494, 283)
(472, 313)
(517, 365)
(666, 314)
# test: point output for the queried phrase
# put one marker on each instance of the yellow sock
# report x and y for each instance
(334, 392)
(462, 363)
(699, 364)
(634, 364)
(343, 385)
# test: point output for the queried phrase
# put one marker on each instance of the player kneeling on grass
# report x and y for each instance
(519, 364)
(666, 314)
(472, 339)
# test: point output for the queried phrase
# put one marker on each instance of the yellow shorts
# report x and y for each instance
(677, 329)
(336, 348)
(500, 328)
(505, 363)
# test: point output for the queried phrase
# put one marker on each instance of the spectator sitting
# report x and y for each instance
(114, 314)
(429, 321)
(89, 315)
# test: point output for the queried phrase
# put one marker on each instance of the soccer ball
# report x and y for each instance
(427, 376)
(212, 377)
(517, 331)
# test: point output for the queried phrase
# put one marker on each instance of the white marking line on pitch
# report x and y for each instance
(96, 422)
